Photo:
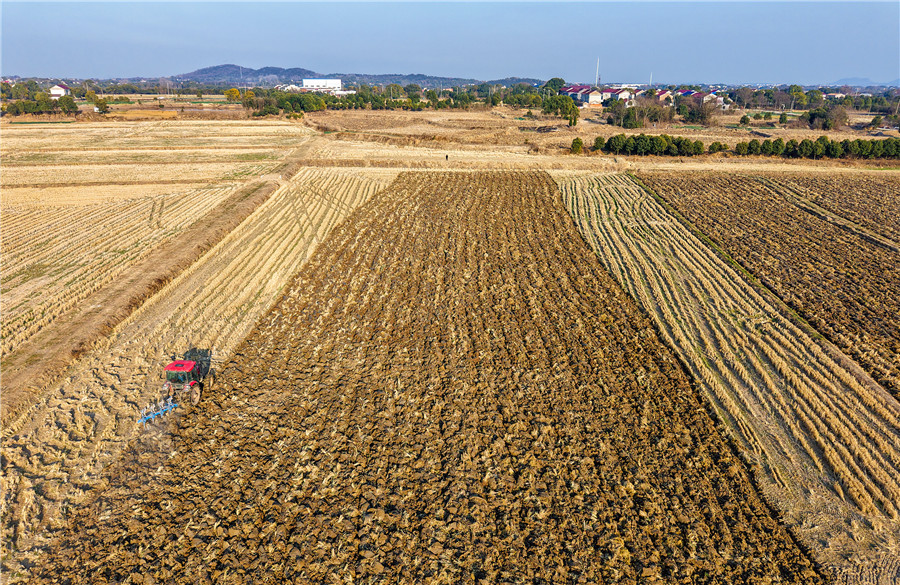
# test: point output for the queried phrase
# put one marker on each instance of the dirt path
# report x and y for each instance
(453, 390)
(55, 450)
(824, 440)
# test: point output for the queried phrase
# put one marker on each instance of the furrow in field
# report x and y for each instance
(825, 441)
(56, 450)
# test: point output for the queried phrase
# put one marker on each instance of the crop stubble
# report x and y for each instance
(56, 256)
(55, 451)
(452, 390)
(824, 440)
(847, 287)
(63, 240)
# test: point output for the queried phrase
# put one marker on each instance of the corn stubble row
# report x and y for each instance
(824, 439)
(56, 451)
(845, 286)
(452, 390)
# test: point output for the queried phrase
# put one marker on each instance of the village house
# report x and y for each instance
(664, 95)
(582, 94)
(59, 90)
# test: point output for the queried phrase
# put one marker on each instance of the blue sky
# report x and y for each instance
(679, 42)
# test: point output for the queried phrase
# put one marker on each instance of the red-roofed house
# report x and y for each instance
(59, 90)
(583, 94)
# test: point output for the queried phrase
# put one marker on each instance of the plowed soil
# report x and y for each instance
(452, 390)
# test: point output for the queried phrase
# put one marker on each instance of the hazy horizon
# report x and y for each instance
(810, 43)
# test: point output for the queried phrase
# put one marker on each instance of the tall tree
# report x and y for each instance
(555, 84)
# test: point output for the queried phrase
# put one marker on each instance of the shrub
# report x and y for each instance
(577, 146)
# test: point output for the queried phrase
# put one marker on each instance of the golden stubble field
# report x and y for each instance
(804, 435)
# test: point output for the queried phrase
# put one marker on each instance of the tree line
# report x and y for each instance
(661, 145)
(823, 147)
(665, 145)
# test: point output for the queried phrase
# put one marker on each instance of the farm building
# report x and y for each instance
(664, 95)
(57, 91)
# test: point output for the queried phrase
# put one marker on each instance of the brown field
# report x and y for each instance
(871, 201)
(427, 371)
(845, 285)
(452, 388)
(822, 438)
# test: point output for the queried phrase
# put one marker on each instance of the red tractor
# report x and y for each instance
(187, 375)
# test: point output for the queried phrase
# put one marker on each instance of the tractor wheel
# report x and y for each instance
(195, 393)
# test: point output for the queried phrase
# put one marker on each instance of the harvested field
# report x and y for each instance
(822, 437)
(155, 135)
(452, 390)
(54, 256)
(78, 213)
(98, 175)
(58, 449)
(845, 285)
(144, 157)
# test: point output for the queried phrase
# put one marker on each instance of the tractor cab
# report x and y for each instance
(182, 372)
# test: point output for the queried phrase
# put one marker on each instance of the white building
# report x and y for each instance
(323, 85)
(57, 91)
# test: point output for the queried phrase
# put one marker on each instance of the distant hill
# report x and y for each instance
(235, 74)
(269, 76)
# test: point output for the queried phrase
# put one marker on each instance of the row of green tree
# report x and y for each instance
(661, 145)
(665, 145)
(45, 105)
(794, 97)
(412, 97)
(823, 147)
